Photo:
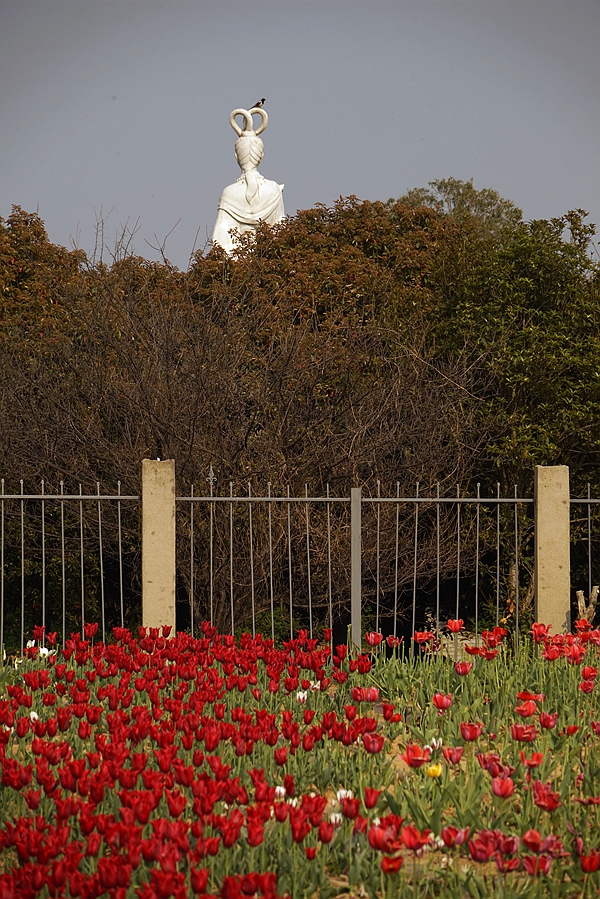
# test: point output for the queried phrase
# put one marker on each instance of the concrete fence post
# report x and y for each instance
(552, 547)
(355, 566)
(158, 543)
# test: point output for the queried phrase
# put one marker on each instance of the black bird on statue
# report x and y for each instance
(259, 104)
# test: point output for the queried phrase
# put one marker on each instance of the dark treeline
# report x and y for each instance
(394, 342)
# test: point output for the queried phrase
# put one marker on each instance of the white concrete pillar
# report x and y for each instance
(158, 543)
(552, 547)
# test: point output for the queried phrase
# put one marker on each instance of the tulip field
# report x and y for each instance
(153, 766)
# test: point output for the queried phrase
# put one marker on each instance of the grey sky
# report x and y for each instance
(119, 108)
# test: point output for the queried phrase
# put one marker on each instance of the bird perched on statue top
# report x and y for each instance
(259, 104)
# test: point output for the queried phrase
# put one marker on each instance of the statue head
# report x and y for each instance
(249, 148)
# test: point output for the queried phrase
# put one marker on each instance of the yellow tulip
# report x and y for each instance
(434, 770)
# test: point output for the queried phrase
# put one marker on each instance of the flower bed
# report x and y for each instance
(156, 767)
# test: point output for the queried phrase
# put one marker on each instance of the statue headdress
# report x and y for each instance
(249, 148)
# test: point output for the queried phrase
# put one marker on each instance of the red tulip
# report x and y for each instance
(371, 795)
(423, 637)
(373, 743)
(463, 668)
(325, 831)
(381, 838)
(455, 625)
(441, 701)
(373, 638)
(482, 847)
(388, 711)
(569, 730)
(90, 630)
(539, 631)
(544, 797)
(454, 837)
(415, 756)
(413, 838)
(526, 696)
(537, 864)
(503, 787)
(505, 865)
(453, 754)
(575, 654)
(350, 807)
(391, 865)
(527, 709)
(547, 720)
(364, 694)
(532, 840)
(534, 762)
(199, 879)
(590, 862)
(280, 755)
(470, 732)
(524, 733)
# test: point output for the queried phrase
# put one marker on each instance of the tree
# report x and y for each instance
(372, 344)
(303, 361)
(491, 213)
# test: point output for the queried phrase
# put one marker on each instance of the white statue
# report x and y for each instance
(251, 199)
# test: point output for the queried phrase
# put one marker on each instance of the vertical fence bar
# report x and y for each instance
(396, 561)
(310, 621)
(22, 572)
(477, 565)
(589, 522)
(2, 575)
(416, 544)
(355, 565)
(329, 582)
(192, 562)
(231, 557)
(289, 530)
(251, 558)
(457, 549)
(81, 561)
(43, 566)
(211, 480)
(516, 573)
(377, 559)
(63, 567)
(437, 573)
(271, 588)
(497, 553)
(120, 555)
(101, 564)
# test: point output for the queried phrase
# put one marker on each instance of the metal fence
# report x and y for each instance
(277, 562)
(65, 559)
(258, 549)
